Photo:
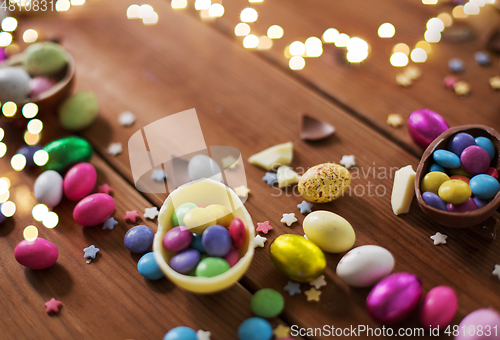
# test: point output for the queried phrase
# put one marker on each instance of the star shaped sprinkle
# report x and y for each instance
(305, 207)
(90, 253)
(281, 331)
(289, 219)
(264, 227)
(496, 271)
(312, 294)
(412, 72)
(318, 282)
(462, 88)
(348, 161)
(131, 216)
(52, 306)
(482, 58)
(114, 149)
(203, 335)
(229, 162)
(105, 189)
(450, 81)
(127, 118)
(259, 241)
(270, 178)
(456, 65)
(395, 120)
(241, 191)
(292, 288)
(158, 176)
(403, 80)
(439, 238)
(109, 224)
(151, 213)
(495, 82)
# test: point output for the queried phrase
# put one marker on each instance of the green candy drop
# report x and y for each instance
(212, 266)
(180, 212)
(267, 303)
(66, 152)
(45, 59)
(79, 111)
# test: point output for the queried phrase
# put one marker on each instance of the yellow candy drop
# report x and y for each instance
(221, 213)
(199, 219)
(433, 180)
(454, 191)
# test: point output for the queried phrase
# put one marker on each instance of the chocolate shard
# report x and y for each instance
(314, 129)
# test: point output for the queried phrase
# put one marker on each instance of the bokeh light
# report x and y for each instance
(41, 157)
(424, 45)
(216, 11)
(202, 4)
(30, 233)
(4, 185)
(39, 211)
(429, 2)
(399, 59)
(9, 24)
(458, 12)
(151, 20)
(2, 134)
(3, 149)
(342, 40)
(296, 63)
(249, 15)
(77, 2)
(30, 110)
(275, 32)
(418, 55)
(446, 19)
(62, 5)
(435, 24)
(357, 50)
(4, 197)
(265, 43)
(145, 11)
(8, 209)
(386, 30)
(330, 36)
(35, 126)
(5, 39)
(297, 48)
(401, 47)
(9, 109)
(178, 4)
(251, 41)
(255, 1)
(18, 162)
(432, 36)
(31, 138)
(242, 29)
(50, 220)
(314, 47)
(133, 12)
(30, 36)
(471, 8)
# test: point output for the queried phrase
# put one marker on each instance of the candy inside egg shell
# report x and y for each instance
(324, 182)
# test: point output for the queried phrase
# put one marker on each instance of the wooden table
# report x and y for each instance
(249, 100)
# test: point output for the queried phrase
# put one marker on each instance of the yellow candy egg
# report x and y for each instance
(459, 172)
(433, 180)
(324, 182)
(298, 258)
(329, 231)
(454, 191)
(221, 213)
(199, 219)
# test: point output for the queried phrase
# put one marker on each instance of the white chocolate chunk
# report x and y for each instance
(286, 176)
(403, 190)
(273, 157)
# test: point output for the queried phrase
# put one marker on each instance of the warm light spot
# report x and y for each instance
(30, 233)
(242, 29)
(18, 162)
(424, 45)
(401, 47)
(77, 2)
(50, 220)
(4, 185)
(39, 211)
(41, 157)
(356, 56)
(30, 36)
(342, 40)
(297, 48)
(3, 149)
(12, 49)
(30, 110)
(4, 197)
(399, 59)
(8, 209)
(62, 5)
(432, 36)
(9, 24)
(357, 50)
(275, 32)
(314, 47)
(446, 19)
(480, 3)
(330, 35)
(145, 11)
(386, 30)
(458, 12)
(297, 63)
(178, 4)
(249, 15)
(255, 1)
(418, 55)
(287, 53)
(216, 11)
(31, 138)
(251, 41)
(35, 126)
(150, 20)
(435, 24)
(5, 39)
(2, 134)
(429, 2)
(265, 43)
(9, 109)
(133, 12)
(202, 4)
(471, 8)
(204, 14)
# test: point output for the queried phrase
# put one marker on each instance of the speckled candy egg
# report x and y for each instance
(79, 111)
(36, 254)
(14, 84)
(79, 181)
(45, 58)
(486, 319)
(364, 266)
(297, 258)
(39, 85)
(324, 182)
(94, 210)
(424, 126)
(49, 188)
(329, 231)
(439, 307)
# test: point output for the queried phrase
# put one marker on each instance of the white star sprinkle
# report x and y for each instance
(496, 271)
(115, 149)
(241, 191)
(151, 213)
(259, 241)
(127, 118)
(292, 288)
(439, 238)
(348, 161)
(203, 335)
(289, 219)
(318, 282)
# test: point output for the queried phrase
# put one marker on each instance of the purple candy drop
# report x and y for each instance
(475, 160)
(185, 261)
(177, 239)
(459, 142)
(216, 240)
(434, 200)
(468, 205)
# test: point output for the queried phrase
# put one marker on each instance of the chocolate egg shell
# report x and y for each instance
(449, 219)
(298, 258)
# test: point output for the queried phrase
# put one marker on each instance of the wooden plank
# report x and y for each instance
(246, 103)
